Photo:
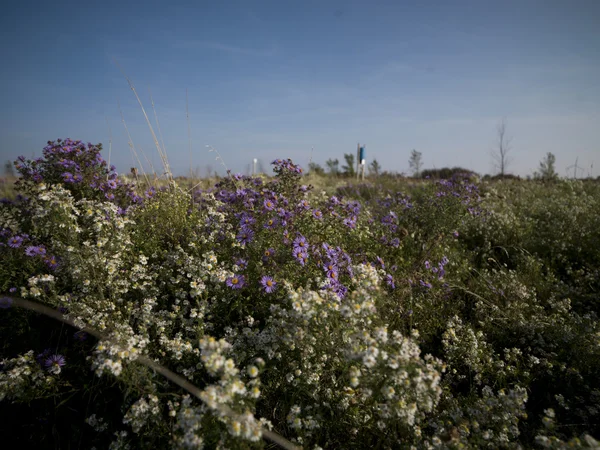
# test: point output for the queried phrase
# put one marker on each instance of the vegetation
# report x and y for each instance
(396, 313)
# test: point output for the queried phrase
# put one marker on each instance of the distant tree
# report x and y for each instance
(500, 156)
(547, 170)
(374, 168)
(415, 162)
(315, 168)
(348, 169)
(333, 166)
(9, 170)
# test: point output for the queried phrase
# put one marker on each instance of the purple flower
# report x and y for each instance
(300, 243)
(12, 290)
(269, 204)
(317, 214)
(32, 250)
(268, 284)
(301, 256)
(246, 221)
(425, 284)
(68, 177)
(241, 262)
(51, 261)
(395, 242)
(80, 335)
(236, 282)
(455, 234)
(389, 279)
(271, 223)
(245, 236)
(350, 222)
(427, 265)
(112, 184)
(5, 302)
(15, 241)
(304, 205)
(380, 261)
(268, 254)
(55, 361)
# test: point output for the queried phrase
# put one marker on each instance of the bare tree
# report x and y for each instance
(500, 157)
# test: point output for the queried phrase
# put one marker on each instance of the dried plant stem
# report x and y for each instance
(109, 144)
(132, 146)
(162, 154)
(187, 114)
(172, 376)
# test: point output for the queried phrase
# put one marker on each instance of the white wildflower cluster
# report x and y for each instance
(22, 378)
(109, 355)
(97, 423)
(489, 421)
(138, 414)
(338, 373)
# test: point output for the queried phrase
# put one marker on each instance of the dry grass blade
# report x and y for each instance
(162, 154)
(132, 146)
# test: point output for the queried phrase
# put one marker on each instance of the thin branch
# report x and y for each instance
(172, 376)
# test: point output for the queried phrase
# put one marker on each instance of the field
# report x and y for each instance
(296, 311)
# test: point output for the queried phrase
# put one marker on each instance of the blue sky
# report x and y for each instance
(274, 79)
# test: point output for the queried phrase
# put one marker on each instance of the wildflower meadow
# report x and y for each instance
(265, 312)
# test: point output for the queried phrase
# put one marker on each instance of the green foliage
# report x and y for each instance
(442, 313)
(547, 171)
(349, 169)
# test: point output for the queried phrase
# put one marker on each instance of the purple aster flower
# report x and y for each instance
(269, 204)
(55, 361)
(389, 279)
(5, 302)
(15, 241)
(268, 254)
(236, 282)
(245, 236)
(395, 242)
(51, 261)
(380, 261)
(300, 243)
(241, 262)
(12, 290)
(270, 223)
(268, 284)
(150, 192)
(427, 265)
(317, 214)
(109, 195)
(350, 222)
(247, 220)
(32, 250)
(80, 335)
(330, 267)
(301, 256)
(112, 184)
(304, 205)
(68, 177)
(455, 234)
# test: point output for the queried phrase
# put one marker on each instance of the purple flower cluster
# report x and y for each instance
(300, 249)
(80, 168)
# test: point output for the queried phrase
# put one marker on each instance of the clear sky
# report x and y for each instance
(274, 79)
